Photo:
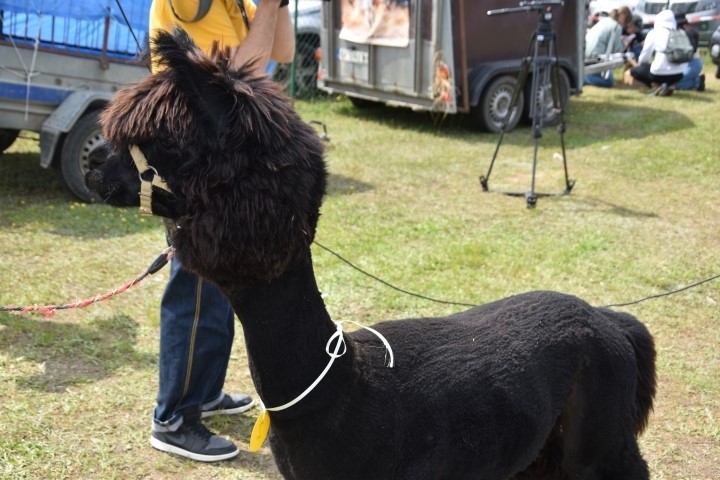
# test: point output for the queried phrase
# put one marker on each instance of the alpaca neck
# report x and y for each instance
(286, 329)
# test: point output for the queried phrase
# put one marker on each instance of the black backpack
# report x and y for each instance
(679, 49)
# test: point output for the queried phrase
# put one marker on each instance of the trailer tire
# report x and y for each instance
(494, 105)
(7, 137)
(551, 117)
(76, 157)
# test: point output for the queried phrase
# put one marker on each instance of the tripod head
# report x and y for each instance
(541, 6)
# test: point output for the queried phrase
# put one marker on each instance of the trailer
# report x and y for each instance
(60, 63)
(447, 56)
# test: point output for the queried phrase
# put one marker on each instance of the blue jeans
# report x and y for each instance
(691, 75)
(197, 325)
(599, 80)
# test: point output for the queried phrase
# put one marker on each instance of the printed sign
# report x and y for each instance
(376, 22)
(352, 56)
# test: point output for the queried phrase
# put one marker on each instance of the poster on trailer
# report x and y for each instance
(376, 22)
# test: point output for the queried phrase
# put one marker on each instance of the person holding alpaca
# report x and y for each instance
(196, 320)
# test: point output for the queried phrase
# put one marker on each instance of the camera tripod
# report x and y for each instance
(545, 68)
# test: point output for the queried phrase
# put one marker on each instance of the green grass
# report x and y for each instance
(404, 203)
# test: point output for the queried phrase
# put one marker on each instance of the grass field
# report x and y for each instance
(404, 203)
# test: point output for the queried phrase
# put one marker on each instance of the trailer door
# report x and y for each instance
(398, 52)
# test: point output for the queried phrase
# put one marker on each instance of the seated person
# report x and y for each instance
(603, 39)
(661, 74)
(633, 37)
(693, 78)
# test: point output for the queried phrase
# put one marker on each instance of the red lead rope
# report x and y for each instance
(49, 310)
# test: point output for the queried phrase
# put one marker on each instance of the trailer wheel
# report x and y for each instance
(7, 137)
(76, 158)
(545, 99)
(494, 106)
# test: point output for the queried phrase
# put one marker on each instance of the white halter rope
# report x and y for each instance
(334, 355)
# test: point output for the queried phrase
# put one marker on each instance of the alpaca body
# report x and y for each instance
(478, 394)
(535, 386)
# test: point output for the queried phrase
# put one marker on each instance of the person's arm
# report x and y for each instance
(648, 49)
(617, 46)
(284, 42)
(258, 47)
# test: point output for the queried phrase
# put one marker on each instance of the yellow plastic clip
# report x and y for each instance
(260, 431)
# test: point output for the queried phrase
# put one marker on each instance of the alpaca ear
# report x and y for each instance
(171, 50)
(196, 74)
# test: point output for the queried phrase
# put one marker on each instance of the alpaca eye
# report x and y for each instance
(167, 143)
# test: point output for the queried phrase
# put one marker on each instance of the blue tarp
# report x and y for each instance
(76, 24)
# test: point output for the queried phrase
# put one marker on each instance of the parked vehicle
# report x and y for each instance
(703, 14)
(448, 56)
(715, 50)
(60, 62)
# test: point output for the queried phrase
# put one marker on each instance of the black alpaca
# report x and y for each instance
(538, 385)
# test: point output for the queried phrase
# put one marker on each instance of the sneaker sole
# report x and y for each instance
(167, 448)
(228, 411)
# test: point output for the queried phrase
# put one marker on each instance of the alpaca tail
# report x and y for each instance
(644, 347)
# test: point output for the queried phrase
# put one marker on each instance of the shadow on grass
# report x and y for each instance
(342, 185)
(407, 119)
(595, 204)
(71, 354)
(32, 194)
(248, 465)
(587, 123)
(238, 427)
(22, 176)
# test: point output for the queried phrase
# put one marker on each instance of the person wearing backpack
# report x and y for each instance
(656, 67)
(693, 78)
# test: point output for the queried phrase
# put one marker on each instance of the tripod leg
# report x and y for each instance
(519, 86)
(537, 112)
(558, 105)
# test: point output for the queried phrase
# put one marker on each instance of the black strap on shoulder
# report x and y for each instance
(203, 8)
(241, 5)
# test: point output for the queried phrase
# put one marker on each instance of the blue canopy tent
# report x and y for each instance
(83, 27)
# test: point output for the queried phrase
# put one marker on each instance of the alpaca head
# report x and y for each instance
(246, 175)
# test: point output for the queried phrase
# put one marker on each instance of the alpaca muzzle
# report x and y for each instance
(149, 178)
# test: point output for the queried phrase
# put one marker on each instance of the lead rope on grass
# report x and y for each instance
(49, 310)
(466, 304)
(167, 254)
